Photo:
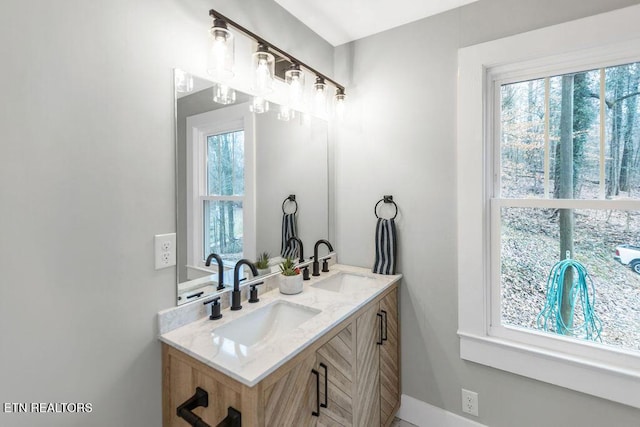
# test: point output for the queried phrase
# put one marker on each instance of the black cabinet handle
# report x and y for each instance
(326, 386)
(316, 413)
(384, 338)
(199, 294)
(380, 339)
(185, 411)
(233, 419)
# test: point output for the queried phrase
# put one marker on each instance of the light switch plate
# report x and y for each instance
(165, 250)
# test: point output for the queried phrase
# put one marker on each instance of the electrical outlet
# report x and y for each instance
(470, 402)
(165, 250)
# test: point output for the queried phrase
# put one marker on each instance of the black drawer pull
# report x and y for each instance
(384, 338)
(326, 386)
(185, 411)
(380, 339)
(316, 413)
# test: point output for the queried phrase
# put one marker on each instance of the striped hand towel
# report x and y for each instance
(385, 262)
(289, 229)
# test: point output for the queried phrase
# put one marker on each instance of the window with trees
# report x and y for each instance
(548, 165)
(222, 201)
(220, 185)
(573, 137)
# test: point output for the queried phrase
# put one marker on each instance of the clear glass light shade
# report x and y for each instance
(184, 81)
(222, 57)
(285, 114)
(320, 96)
(223, 94)
(264, 70)
(294, 77)
(259, 105)
(340, 103)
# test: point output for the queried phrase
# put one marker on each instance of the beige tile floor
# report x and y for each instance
(400, 423)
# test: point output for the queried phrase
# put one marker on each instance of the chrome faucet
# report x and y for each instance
(316, 264)
(220, 269)
(305, 271)
(235, 294)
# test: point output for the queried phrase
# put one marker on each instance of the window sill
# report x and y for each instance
(554, 367)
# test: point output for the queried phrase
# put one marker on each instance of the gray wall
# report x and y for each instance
(86, 180)
(403, 120)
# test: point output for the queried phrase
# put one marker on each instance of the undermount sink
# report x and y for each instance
(343, 281)
(268, 323)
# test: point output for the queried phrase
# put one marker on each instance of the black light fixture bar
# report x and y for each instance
(216, 15)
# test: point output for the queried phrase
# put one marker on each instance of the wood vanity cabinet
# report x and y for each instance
(378, 366)
(294, 398)
(357, 363)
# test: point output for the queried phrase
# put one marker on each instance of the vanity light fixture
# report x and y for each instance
(222, 50)
(223, 94)
(264, 69)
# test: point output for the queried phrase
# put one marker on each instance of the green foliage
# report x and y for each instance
(288, 267)
(263, 261)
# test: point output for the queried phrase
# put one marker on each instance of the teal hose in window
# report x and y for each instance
(582, 293)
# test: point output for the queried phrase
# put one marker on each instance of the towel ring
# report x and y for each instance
(291, 198)
(386, 199)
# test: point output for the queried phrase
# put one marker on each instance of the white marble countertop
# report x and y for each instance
(251, 364)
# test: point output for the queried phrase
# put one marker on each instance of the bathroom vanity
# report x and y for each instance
(327, 356)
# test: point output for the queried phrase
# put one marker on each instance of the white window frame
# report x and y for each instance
(587, 367)
(199, 127)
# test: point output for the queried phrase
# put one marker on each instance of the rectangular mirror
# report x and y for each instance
(235, 170)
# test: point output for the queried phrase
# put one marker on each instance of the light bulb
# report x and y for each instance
(223, 94)
(285, 114)
(264, 66)
(320, 96)
(340, 103)
(222, 51)
(259, 105)
(294, 77)
(183, 81)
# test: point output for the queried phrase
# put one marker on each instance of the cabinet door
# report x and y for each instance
(368, 368)
(389, 359)
(335, 361)
(291, 400)
(181, 377)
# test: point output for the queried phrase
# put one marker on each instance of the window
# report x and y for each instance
(223, 199)
(526, 196)
(573, 137)
(220, 185)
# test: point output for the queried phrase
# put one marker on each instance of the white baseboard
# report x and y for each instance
(423, 414)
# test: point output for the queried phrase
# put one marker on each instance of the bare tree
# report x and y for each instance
(566, 191)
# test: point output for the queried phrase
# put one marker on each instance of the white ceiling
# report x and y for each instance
(342, 21)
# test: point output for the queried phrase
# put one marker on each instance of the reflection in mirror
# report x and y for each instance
(235, 168)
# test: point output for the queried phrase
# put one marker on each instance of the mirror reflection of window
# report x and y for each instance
(223, 201)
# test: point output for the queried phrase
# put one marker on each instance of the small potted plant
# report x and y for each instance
(262, 264)
(290, 279)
